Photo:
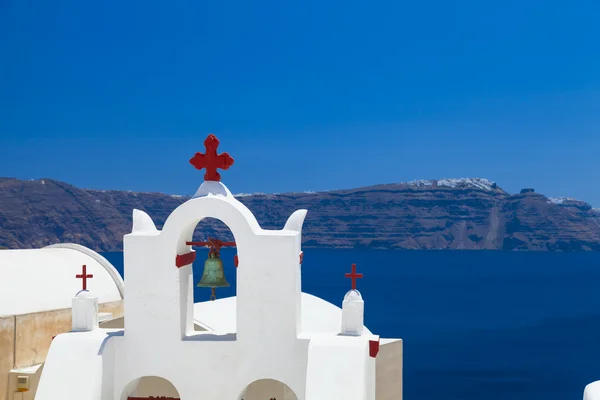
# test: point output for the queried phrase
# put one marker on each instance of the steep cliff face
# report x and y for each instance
(42, 212)
(443, 214)
(538, 223)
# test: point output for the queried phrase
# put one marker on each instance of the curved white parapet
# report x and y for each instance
(295, 221)
(142, 223)
(592, 391)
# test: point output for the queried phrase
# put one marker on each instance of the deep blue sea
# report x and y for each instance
(476, 325)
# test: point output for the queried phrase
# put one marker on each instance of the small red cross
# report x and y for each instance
(353, 276)
(211, 160)
(84, 275)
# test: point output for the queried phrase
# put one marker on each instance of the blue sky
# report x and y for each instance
(305, 95)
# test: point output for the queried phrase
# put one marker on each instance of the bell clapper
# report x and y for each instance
(213, 296)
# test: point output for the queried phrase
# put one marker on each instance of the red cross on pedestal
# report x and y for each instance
(211, 160)
(84, 275)
(353, 276)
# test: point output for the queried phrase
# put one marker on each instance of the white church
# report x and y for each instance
(145, 338)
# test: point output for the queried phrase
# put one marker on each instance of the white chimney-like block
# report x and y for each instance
(85, 312)
(353, 309)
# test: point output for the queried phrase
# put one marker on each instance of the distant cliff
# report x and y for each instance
(468, 214)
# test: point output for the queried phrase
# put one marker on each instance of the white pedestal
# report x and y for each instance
(353, 309)
(85, 312)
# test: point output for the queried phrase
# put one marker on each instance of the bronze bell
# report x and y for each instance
(213, 275)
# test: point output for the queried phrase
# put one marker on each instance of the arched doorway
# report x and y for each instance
(148, 387)
(267, 389)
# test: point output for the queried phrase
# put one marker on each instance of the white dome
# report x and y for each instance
(44, 279)
(318, 315)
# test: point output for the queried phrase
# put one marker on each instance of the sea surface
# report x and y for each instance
(478, 325)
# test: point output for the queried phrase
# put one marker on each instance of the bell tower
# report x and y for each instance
(268, 293)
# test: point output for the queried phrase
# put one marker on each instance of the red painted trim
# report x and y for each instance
(221, 244)
(236, 260)
(185, 259)
(213, 244)
(373, 348)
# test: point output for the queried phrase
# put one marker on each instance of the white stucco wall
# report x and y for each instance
(77, 367)
(339, 369)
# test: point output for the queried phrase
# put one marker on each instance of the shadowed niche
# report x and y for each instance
(150, 387)
(264, 389)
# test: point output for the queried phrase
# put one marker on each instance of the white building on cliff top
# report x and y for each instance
(271, 341)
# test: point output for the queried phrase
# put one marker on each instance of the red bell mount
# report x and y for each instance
(215, 247)
(213, 244)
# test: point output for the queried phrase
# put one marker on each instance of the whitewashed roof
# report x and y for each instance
(318, 315)
(44, 279)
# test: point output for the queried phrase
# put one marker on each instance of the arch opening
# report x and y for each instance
(267, 389)
(178, 231)
(213, 228)
(148, 387)
(201, 232)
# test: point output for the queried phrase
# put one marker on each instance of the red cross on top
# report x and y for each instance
(353, 276)
(211, 160)
(83, 276)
